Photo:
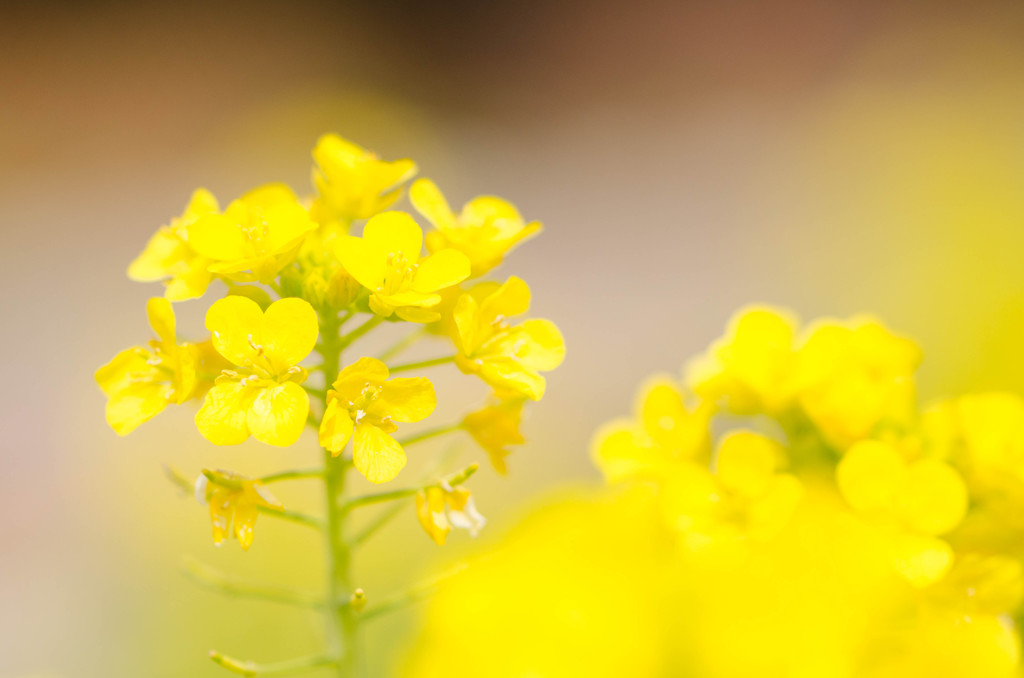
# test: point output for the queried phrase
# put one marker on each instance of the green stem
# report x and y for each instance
(402, 344)
(385, 517)
(421, 364)
(352, 336)
(380, 497)
(296, 474)
(413, 594)
(430, 433)
(292, 517)
(340, 619)
(285, 668)
(230, 585)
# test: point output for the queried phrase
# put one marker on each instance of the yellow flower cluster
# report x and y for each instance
(295, 273)
(784, 509)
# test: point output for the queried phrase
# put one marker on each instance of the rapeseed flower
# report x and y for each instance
(168, 256)
(507, 357)
(386, 261)
(485, 230)
(665, 432)
(352, 183)
(363, 405)
(256, 236)
(442, 507)
(234, 503)
(919, 501)
(495, 427)
(141, 381)
(262, 395)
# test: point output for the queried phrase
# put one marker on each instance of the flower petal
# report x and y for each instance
(440, 270)
(218, 237)
(235, 323)
(376, 455)
(427, 199)
(222, 418)
(335, 428)
(136, 404)
(545, 348)
(289, 331)
(361, 262)
(278, 414)
(161, 319)
(406, 399)
(355, 377)
(394, 233)
(509, 300)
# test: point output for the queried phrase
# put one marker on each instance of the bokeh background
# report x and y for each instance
(687, 158)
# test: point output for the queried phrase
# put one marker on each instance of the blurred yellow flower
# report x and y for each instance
(486, 229)
(262, 396)
(749, 371)
(386, 260)
(234, 502)
(442, 507)
(920, 500)
(168, 255)
(352, 183)
(255, 237)
(495, 427)
(363, 405)
(665, 432)
(854, 376)
(508, 357)
(141, 382)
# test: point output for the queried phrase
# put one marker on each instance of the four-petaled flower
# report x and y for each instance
(141, 382)
(352, 182)
(495, 427)
(168, 256)
(255, 237)
(364, 406)
(508, 357)
(386, 261)
(262, 396)
(442, 507)
(234, 502)
(486, 229)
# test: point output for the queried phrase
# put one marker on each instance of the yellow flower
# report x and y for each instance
(352, 182)
(485, 230)
(364, 406)
(508, 357)
(919, 501)
(854, 376)
(748, 498)
(749, 370)
(255, 237)
(495, 427)
(262, 396)
(169, 256)
(442, 507)
(386, 261)
(234, 504)
(665, 432)
(141, 382)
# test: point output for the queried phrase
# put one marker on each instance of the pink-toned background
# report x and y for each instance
(686, 159)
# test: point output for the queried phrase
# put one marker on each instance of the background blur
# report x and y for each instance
(686, 158)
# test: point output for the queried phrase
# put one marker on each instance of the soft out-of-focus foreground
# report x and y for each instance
(685, 158)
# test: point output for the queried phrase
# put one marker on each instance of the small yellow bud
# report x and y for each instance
(358, 600)
(342, 289)
(315, 288)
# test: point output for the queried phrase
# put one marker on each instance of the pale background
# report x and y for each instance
(686, 158)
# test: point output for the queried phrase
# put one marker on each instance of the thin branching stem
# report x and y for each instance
(422, 364)
(412, 594)
(238, 587)
(402, 344)
(289, 667)
(380, 497)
